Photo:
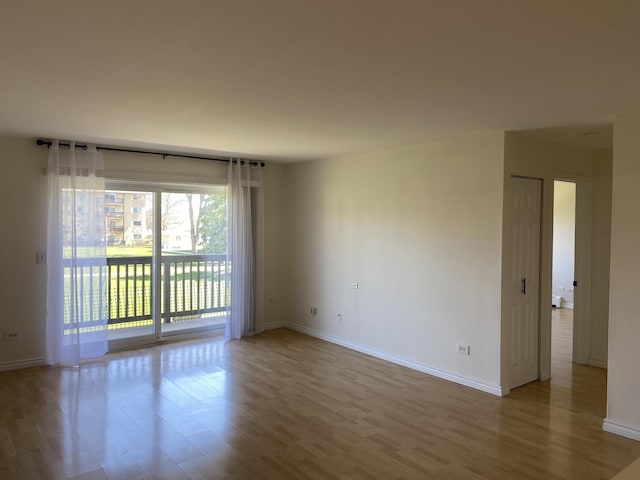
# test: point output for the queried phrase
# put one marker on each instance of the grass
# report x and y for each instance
(113, 251)
(129, 251)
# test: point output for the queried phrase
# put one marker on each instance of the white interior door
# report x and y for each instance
(525, 206)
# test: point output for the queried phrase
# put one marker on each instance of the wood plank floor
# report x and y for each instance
(286, 406)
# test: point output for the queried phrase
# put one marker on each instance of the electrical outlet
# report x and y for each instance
(11, 335)
(313, 310)
(339, 318)
(464, 349)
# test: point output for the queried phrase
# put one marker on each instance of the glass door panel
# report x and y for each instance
(193, 261)
(129, 245)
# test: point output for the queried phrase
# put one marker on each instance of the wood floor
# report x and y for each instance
(286, 406)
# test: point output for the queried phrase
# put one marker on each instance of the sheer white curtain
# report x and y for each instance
(76, 256)
(242, 181)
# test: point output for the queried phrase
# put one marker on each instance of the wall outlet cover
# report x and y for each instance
(11, 335)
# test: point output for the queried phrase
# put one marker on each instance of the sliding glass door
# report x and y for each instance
(129, 238)
(167, 262)
(194, 260)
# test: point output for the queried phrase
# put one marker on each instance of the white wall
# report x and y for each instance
(419, 228)
(600, 256)
(564, 225)
(276, 298)
(623, 389)
(24, 225)
(24, 209)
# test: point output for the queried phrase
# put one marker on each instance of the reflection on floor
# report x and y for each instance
(561, 343)
(283, 405)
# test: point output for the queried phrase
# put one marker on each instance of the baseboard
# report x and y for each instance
(544, 376)
(467, 382)
(33, 362)
(629, 431)
(568, 306)
(274, 325)
(597, 363)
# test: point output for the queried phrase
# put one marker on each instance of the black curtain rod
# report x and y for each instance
(164, 155)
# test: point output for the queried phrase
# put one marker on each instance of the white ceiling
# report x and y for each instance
(302, 79)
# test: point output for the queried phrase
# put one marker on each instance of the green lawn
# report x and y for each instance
(121, 251)
(138, 251)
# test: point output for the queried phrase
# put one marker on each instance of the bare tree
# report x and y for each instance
(170, 214)
(195, 219)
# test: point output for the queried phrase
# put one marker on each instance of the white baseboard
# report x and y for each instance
(629, 431)
(32, 362)
(544, 376)
(274, 325)
(596, 363)
(568, 306)
(467, 382)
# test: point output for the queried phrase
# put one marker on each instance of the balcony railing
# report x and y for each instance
(192, 286)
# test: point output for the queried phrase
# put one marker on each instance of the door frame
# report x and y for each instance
(582, 266)
(157, 336)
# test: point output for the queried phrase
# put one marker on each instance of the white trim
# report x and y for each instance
(629, 431)
(544, 376)
(582, 264)
(274, 325)
(582, 269)
(164, 187)
(165, 180)
(467, 382)
(33, 362)
(597, 363)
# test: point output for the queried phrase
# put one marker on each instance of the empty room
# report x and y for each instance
(291, 240)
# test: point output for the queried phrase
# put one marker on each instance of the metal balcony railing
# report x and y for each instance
(191, 286)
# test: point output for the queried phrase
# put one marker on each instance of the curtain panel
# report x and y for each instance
(77, 308)
(242, 181)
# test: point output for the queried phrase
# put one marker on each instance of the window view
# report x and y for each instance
(192, 279)
(129, 250)
(194, 261)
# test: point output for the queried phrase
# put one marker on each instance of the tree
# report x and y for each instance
(170, 210)
(195, 218)
(207, 222)
(213, 224)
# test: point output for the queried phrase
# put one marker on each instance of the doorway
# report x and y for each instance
(563, 273)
